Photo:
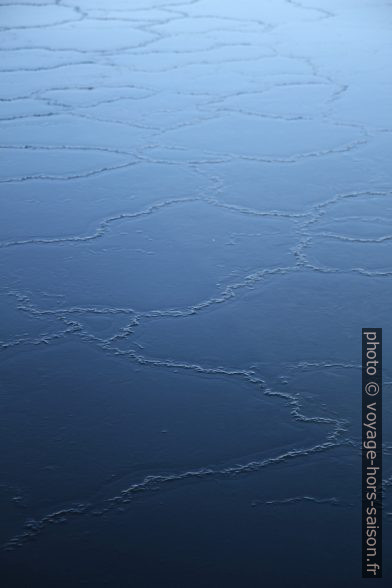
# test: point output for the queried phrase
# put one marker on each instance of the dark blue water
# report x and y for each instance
(196, 222)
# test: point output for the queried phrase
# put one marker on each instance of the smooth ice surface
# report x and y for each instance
(196, 222)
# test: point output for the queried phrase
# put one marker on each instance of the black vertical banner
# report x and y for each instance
(372, 453)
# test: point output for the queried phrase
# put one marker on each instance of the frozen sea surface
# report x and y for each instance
(196, 222)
